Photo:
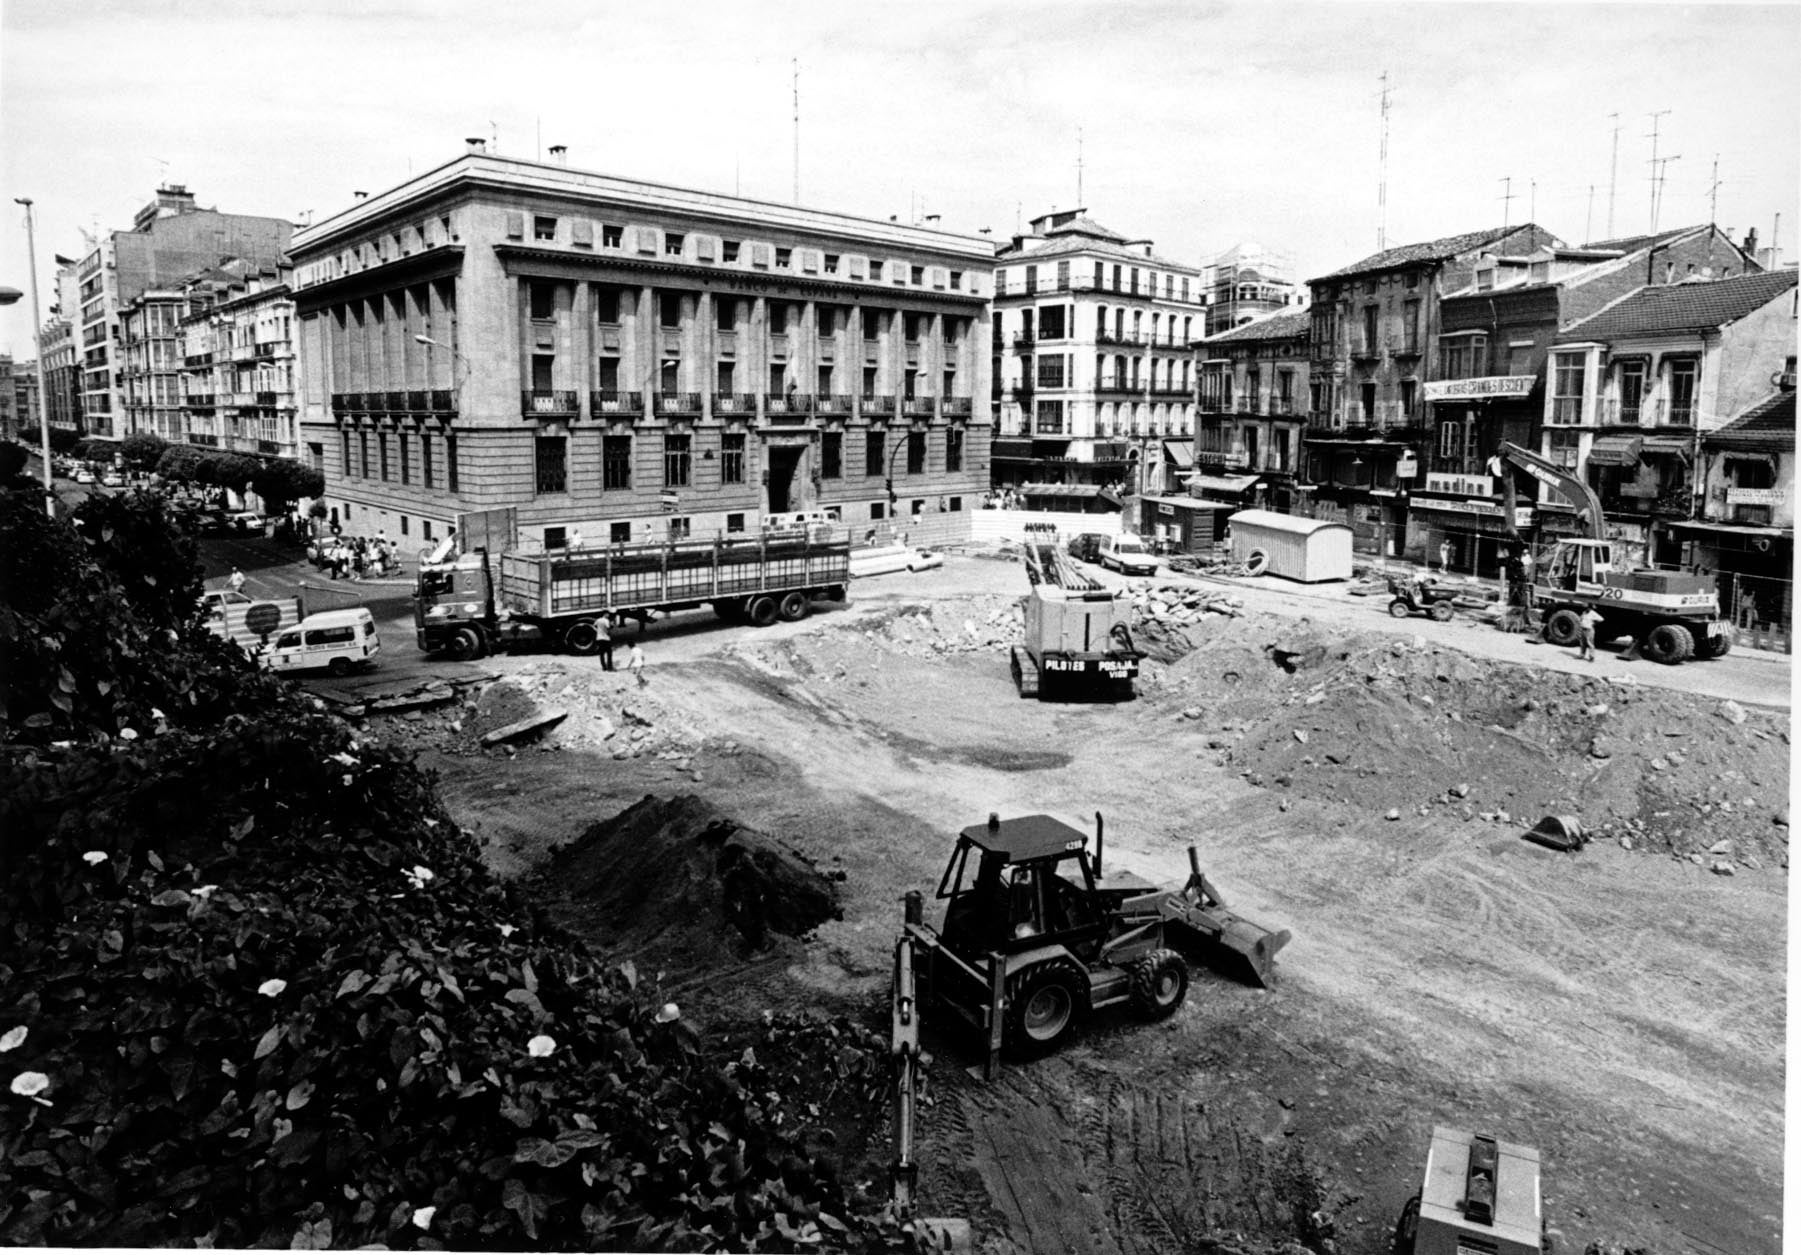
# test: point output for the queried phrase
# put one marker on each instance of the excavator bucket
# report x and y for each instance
(1196, 921)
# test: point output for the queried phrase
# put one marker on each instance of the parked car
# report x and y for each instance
(112, 479)
(1086, 546)
(1126, 554)
(245, 521)
(84, 476)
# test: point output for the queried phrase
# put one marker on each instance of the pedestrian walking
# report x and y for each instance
(1444, 554)
(1586, 623)
(236, 581)
(634, 662)
(603, 631)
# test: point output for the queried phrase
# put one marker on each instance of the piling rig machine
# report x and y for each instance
(1078, 636)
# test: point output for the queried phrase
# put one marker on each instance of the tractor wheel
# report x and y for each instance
(1398, 608)
(1041, 1007)
(1159, 984)
(1440, 611)
(1668, 643)
(795, 607)
(1564, 627)
(1715, 646)
(1407, 1228)
(466, 645)
(763, 611)
(581, 638)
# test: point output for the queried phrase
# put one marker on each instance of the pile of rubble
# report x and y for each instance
(978, 625)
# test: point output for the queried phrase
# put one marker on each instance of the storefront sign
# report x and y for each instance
(1406, 466)
(1482, 389)
(1459, 507)
(1755, 496)
(1461, 485)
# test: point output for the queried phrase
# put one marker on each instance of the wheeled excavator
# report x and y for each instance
(1670, 616)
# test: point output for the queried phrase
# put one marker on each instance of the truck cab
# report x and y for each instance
(453, 606)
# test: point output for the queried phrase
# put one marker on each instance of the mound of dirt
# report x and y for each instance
(1392, 725)
(674, 877)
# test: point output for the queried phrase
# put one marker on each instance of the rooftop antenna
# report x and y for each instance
(306, 217)
(1588, 223)
(540, 137)
(1506, 202)
(1078, 166)
(1656, 120)
(1532, 201)
(494, 145)
(1713, 192)
(796, 130)
(1657, 179)
(1382, 183)
(1613, 174)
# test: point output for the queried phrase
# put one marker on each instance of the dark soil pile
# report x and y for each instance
(675, 878)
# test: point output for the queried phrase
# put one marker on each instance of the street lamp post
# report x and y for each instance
(456, 380)
(37, 336)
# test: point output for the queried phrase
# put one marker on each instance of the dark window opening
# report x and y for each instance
(552, 464)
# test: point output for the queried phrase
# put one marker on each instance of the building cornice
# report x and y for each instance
(434, 263)
(610, 191)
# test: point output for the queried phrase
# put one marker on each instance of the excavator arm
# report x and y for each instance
(1554, 477)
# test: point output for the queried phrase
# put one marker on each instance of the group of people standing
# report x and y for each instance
(356, 557)
(634, 656)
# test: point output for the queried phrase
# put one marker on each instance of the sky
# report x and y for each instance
(1197, 125)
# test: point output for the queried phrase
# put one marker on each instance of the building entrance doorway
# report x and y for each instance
(785, 480)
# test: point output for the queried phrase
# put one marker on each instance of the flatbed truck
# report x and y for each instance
(472, 603)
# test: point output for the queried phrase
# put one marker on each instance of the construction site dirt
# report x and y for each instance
(1355, 779)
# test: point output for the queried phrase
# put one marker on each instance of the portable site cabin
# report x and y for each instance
(1308, 550)
(1184, 524)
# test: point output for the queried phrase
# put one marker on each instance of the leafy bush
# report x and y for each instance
(258, 989)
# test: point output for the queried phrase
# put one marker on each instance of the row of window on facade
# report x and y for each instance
(1370, 412)
(729, 377)
(1057, 370)
(1053, 418)
(1217, 390)
(1370, 341)
(366, 455)
(1058, 322)
(730, 310)
(1034, 276)
(1633, 381)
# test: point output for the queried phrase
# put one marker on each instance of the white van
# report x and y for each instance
(338, 640)
(816, 523)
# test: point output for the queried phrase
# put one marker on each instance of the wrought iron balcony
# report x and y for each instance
(416, 400)
(266, 398)
(787, 406)
(833, 403)
(919, 407)
(353, 401)
(1024, 339)
(678, 402)
(878, 405)
(959, 407)
(268, 446)
(393, 401)
(744, 403)
(539, 402)
(605, 404)
(442, 400)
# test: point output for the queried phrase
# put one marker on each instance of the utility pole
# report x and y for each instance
(1613, 175)
(37, 337)
(1506, 202)
(1382, 176)
(1656, 120)
(797, 130)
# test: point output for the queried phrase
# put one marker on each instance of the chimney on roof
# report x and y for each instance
(361, 195)
(476, 144)
(559, 153)
(1751, 242)
(931, 217)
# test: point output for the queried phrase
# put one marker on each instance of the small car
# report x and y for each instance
(1127, 554)
(1085, 546)
(112, 479)
(245, 521)
(84, 476)
(924, 560)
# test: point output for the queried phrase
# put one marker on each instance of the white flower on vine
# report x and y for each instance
(507, 930)
(93, 858)
(540, 1046)
(419, 876)
(30, 1084)
(14, 1038)
(422, 1216)
(205, 891)
(271, 988)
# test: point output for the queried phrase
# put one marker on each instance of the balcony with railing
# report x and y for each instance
(1024, 339)
(959, 407)
(834, 403)
(919, 407)
(1112, 386)
(787, 407)
(1021, 392)
(611, 403)
(877, 406)
(1615, 412)
(393, 402)
(548, 403)
(1364, 349)
(734, 404)
(678, 403)
(442, 400)
(416, 401)
(267, 398)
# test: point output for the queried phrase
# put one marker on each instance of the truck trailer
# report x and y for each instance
(477, 601)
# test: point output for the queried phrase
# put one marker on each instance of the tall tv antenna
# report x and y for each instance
(797, 130)
(1078, 167)
(1656, 169)
(1382, 176)
(1613, 174)
(1506, 202)
(1713, 192)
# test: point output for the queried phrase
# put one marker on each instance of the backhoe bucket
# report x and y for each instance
(1196, 920)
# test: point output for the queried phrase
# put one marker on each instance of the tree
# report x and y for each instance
(180, 463)
(282, 482)
(12, 466)
(142, 450)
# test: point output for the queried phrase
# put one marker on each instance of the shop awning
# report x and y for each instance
(1180, 452)
(1233, 485)
(1615, 451)
(1189, 503)
(1668, 446)
(1733, 529)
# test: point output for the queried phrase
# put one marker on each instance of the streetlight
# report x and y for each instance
(37, 335)
(456, 382)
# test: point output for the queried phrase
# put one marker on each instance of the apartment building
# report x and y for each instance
(1637, 386)
(1249, 282)
(1488, 378)
(1375, 326)
(1093, 370)
(237, 360)
(634, 360)
(1253, 408)
(62, 376)
(148, 352)
(170, 238)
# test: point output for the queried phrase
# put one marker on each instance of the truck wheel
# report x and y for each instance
(1407, 1228)
(1041, 1007)
(763, 611)
(1668, 643)
(1159, 984)
(1440, 611)
(795, 607)
(1715, 646)
(466, 645)
(581, 638)
(1398, 608)
(1564, 627)
(731, 611)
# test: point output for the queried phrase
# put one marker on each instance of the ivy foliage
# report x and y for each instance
(257, 988)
